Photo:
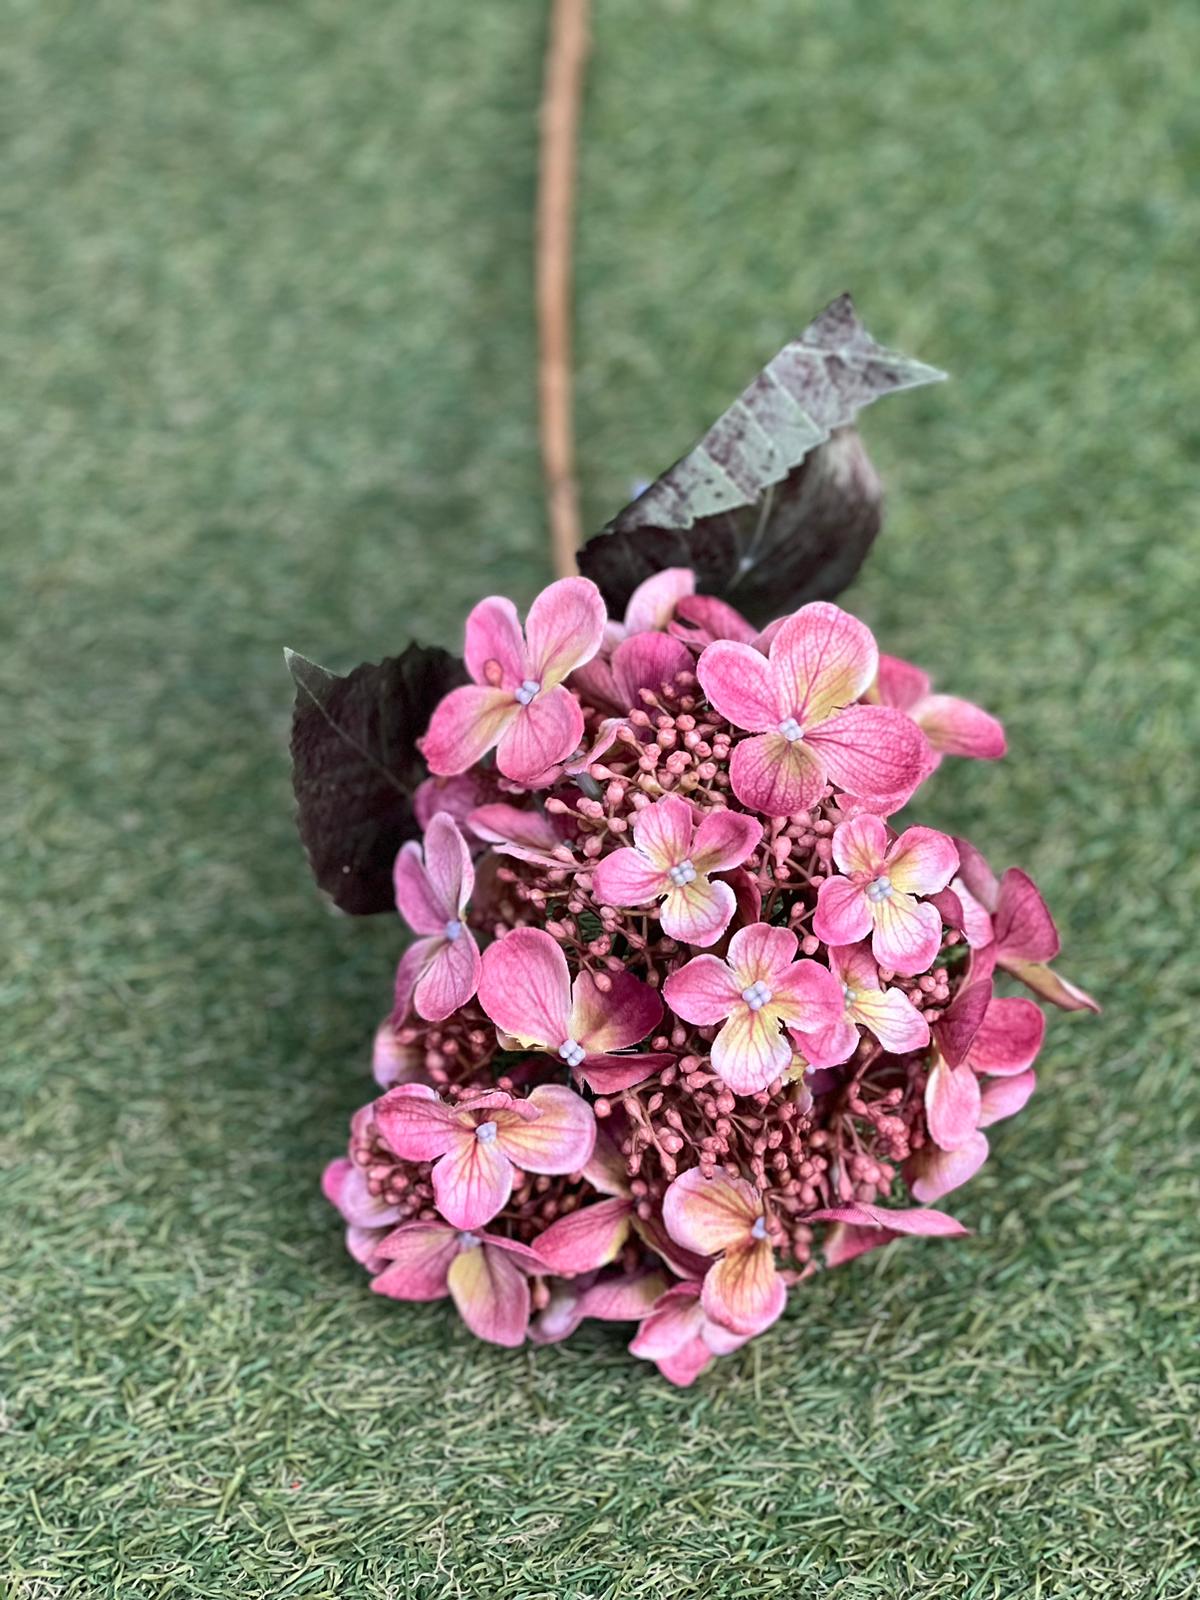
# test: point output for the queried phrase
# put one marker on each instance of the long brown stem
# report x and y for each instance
(565, 54)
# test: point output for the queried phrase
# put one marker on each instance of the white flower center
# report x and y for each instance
(881, 889)
(527, 690)
(757, 996)
(682, 875)
(790, 729)
(571, 1052)
(849, 995)
(453, 929)
(485, 1132)
(759, 1230)
(468, 1241)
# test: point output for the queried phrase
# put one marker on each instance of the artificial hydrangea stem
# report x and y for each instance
(565, 54)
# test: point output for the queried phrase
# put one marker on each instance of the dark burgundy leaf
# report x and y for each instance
(355, 765)
(778, 503)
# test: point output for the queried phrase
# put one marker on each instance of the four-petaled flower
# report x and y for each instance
(517, 701)
(681, 1338)
(952, 726)
(887, 1013)
(526, 990)
(876, 895)
(757, 992)
(672, 860)
(724, 1217)
(439, 972)
(799, 702)
(475, 1143)
(480, 1271)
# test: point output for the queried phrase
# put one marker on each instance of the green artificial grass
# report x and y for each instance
(266, 328)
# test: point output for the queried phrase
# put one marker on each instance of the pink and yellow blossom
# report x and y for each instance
(440, 971)
(723, 1217)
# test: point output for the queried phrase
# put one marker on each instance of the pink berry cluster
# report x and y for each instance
(686, 1018)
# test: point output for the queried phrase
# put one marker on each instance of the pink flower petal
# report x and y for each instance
(762, 954)
(472, 1181)
(903, 1219)
(672, 1325)
(1043, 980)
(854, 965)
(565, 627)
(602, 1022)
(828, 1047)
(628, 878)
(686, 1364)
(663, 831)
(951, 1105)
(776, 776)
(448, 865)
(956, 1028)
(701, 619)
(1004, 1097)
(418, 1256)
(495, 648)
(843, 913)
(822, 659)
(871, 750)
(957, 728)
(844, 1242)
(900, 684)
(704, 991)
(346, 1187)
(698, 913)
(743, 1291)
(465, 726)
(808, 996)
(709, 1215)
(932, 1173)
(491, 1294)
(417, 899)
(525, 987)
(559, 1139)
(723, 840)
(458, 796)
(647, 661)
(542, 733)
(623, 1299)
(607, 1074)
(411, 965)
(975, 920)
(449, 978)
(501, 824)
(585, 1239)
(740, 685)
(652, 604)
(605, 1168)
(1009, 1037)
(977, 876)
(750, 1051)
(922, 861)
(1023, 925)
(391, 1061)
(861, 845)
(891, 1016)
(907, 935)
(415, 1125)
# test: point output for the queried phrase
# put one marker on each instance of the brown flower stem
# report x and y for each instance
(562, 91)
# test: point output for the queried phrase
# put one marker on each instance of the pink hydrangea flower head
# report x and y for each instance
(526, 990)
(886, 1013)
(953, 727)
(475, 1144)
(484, 1274)
(673, 857)
(517, 703)
(723, 1217)
(798, 702)
(876, 892)
(681, 1338)
(758, 992)
(440, 971)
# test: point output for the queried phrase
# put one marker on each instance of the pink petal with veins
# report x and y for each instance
(1008, 1038)
(449, 978)
(807, 996)
(907, 934)
(564, 628)
(417, 1126)
(762, 953)
(740, 685)
(495, 647)
(663, 831)
(417, 898)
(704, 991)
(932, 1173)
(903, 1219)
(674, 1323)
(750, 1051)
(465, 726)
(491, 1294)
(559, 1139)
(525, 987)
(628, 878)
(861, 845)
(957, 728)
(698, 913)
(652, 604)
(922, 861)
(891, 1016)
(900, 684)
(418, 1256)
(822, 658)
(585, 1239)
(723, 840)
(1022, 922)
(777, 776)
(472, 1181)
(871, 750)
(542, 733)
(828, 1047)
(1004, 1097)
(702, 619)
(977, 876)
(608, 1074)
(962, 1019)
(709, 1215)
(843, 913)
(743, 1292)
(614, 1020)
(647, 661)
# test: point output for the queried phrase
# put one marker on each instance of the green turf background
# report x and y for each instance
(265, 323)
